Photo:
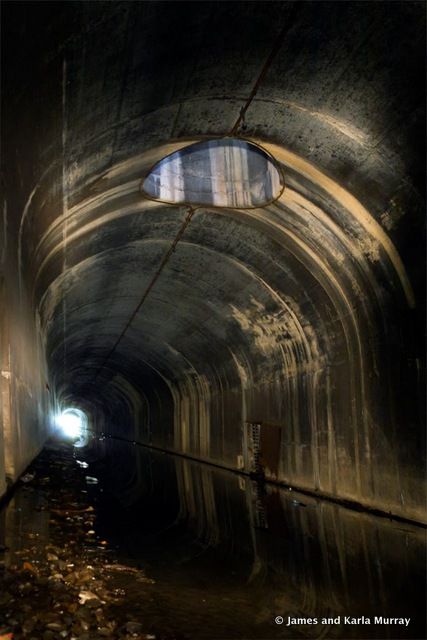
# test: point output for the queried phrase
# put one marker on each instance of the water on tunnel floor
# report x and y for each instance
(118, 540)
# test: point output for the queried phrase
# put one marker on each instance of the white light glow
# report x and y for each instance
(71, 423)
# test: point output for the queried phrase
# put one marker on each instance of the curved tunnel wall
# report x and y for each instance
(301, 314)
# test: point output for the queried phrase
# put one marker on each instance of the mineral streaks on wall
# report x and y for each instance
(269, 314)
(301, 314)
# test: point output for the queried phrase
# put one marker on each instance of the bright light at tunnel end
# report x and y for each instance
(71, 423)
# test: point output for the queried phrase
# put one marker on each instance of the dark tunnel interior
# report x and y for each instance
(212, 261)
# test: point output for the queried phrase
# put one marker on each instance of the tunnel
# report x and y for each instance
(212, 255)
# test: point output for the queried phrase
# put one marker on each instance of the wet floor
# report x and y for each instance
(119, 541)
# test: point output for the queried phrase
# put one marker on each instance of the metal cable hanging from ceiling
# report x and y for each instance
(153, 281)
(191, 210)
(266, 66)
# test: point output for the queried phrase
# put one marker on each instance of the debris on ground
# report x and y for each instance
(63, 580)
(27, 477)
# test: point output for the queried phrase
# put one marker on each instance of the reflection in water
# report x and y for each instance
(269, 550)
(199, 552)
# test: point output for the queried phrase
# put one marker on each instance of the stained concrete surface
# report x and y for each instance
(286, 340)
(163, 547)
(306, 314)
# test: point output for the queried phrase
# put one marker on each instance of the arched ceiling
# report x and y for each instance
(246, 294)
(322, 280)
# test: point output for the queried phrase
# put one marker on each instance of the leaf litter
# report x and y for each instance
(61, 584)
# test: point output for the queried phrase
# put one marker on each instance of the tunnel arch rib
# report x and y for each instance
(268, 314)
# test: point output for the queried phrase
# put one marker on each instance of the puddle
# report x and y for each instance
(160, 547)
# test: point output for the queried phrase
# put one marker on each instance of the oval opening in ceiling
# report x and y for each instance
(228, 172)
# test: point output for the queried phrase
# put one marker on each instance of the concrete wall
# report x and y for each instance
(24, 398)
(305, 314)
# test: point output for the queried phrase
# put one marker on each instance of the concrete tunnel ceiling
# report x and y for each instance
(288, 313)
